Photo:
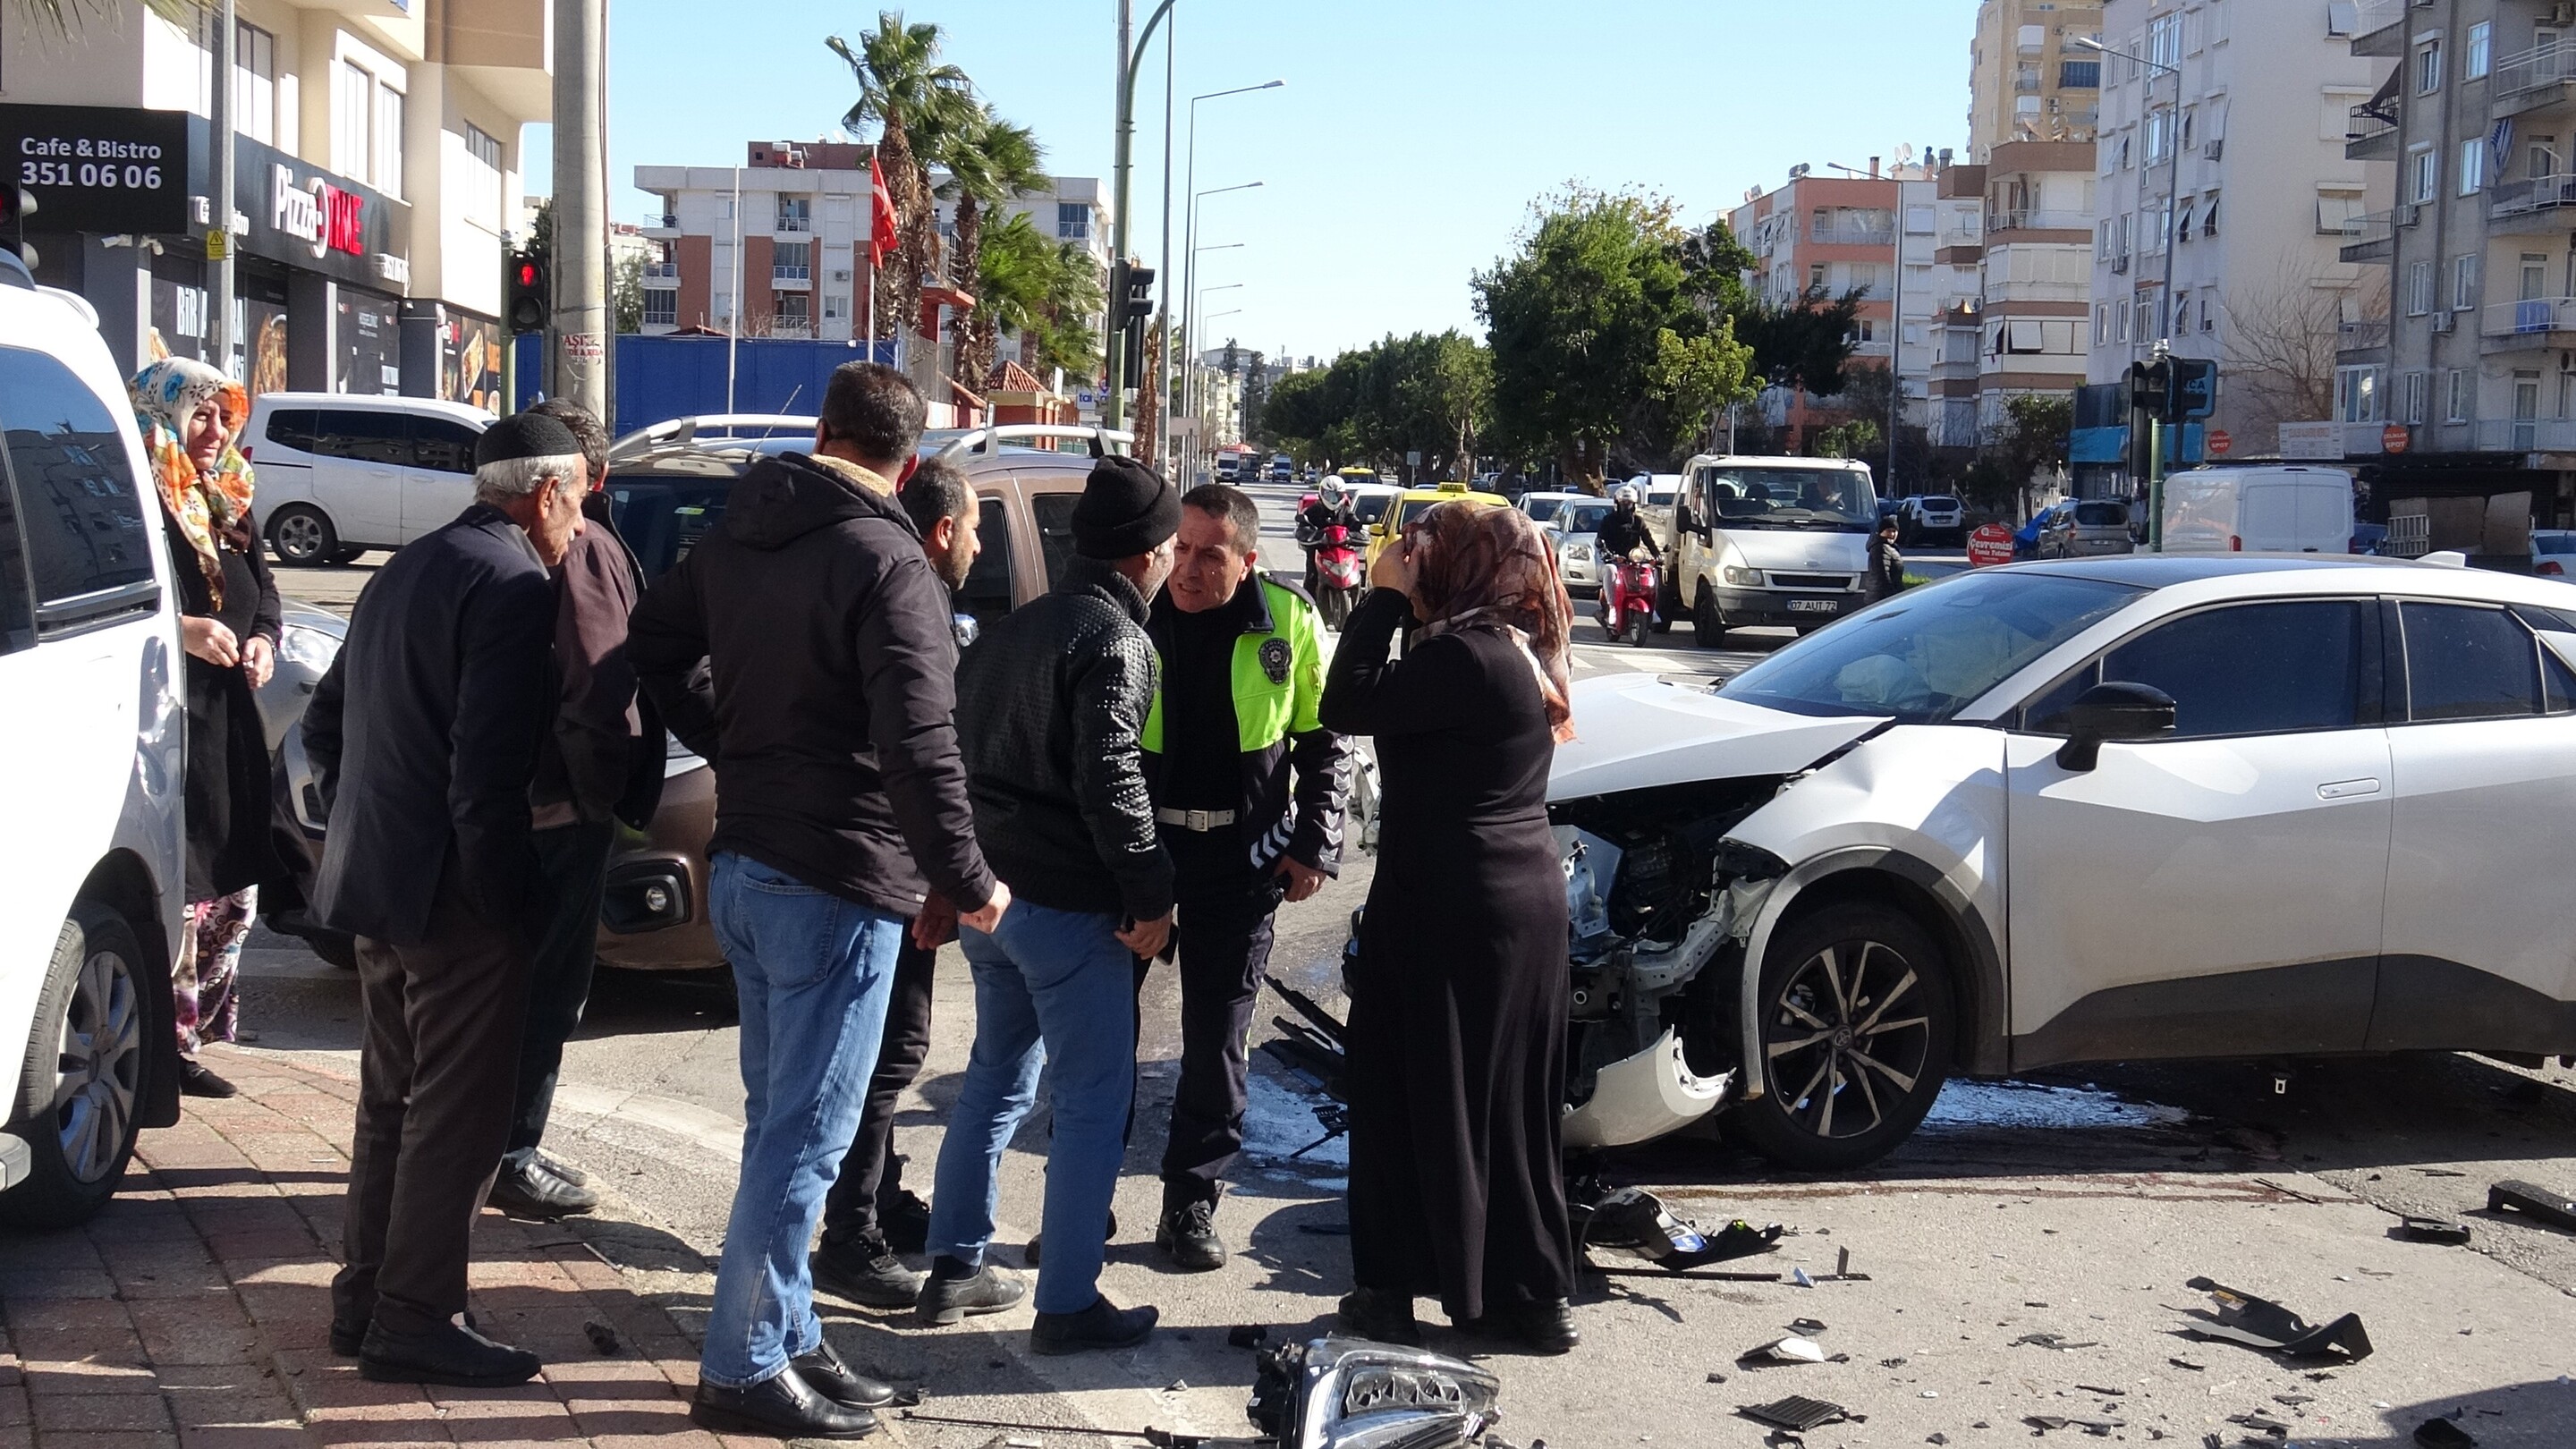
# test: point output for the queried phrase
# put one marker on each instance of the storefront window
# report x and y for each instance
(470, 371)
(370, 360)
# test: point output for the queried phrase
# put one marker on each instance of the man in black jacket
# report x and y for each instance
(423, 738)
(825, 708)
(1052, 706)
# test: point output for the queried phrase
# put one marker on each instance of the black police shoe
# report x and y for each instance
(1188, 1235)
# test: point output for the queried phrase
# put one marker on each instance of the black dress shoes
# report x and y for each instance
(951, 1293)
(535, 1191)
(827, 1374)
(1101, 1326)
(1539, 1327)
(446, 1354)
(783, 1406)
(1380, 1315)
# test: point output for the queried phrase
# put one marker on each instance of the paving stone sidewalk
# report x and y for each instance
(193, 1312)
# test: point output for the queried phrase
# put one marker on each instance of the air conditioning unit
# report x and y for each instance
(2445, 321)
(2120, 265)
(841, 274)
(2214, 150)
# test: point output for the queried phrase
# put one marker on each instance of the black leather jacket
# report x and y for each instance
(1051, 708)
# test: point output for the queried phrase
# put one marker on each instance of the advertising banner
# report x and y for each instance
(104, 169)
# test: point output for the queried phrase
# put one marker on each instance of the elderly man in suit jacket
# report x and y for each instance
(423, 738)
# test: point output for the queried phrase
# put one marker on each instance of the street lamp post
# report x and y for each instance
(1189, 188)
(1113, 405)
(1190, 248)
(1190, 363)
(2164, 299)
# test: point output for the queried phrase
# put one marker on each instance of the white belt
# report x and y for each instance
(1201, 821)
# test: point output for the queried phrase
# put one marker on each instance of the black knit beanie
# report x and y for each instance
(525, 435)
(1126, 509)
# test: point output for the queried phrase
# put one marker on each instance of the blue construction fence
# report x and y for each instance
(659, 378)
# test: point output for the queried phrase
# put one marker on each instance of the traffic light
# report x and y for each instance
(531, 294)
(17, 203)
(1131, 300)
(2150, 388)
(1139, 294)
(2174, 389)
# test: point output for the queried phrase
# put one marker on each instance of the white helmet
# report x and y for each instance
(1627, 494)
(1332, 491)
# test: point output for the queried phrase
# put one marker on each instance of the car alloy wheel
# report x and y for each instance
(302, 537)
(82, 1082)
(1856, 1032)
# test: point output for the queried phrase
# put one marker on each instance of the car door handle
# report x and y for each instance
(2347, 789)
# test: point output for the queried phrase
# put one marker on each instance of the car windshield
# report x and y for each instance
(1937, 503)
(1834, 499)
(1583, 517)
(1928, 653)
(661, 519)
(1543, 509)
(2102, 515)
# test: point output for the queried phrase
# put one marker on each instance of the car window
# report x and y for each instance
(2553, 542)
(443, 445)
(1584, 517)
(1928, 653)
(1053, 513)
(2252, 669)
(1543, 509)
(2468, 663)
(292, 428)
(2102, 515)
(368, 437)
(661, 519)
(1368, 508)
(987, 594)
(83, 518)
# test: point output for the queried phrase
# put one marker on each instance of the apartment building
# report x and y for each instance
(1957, 333)
(2038, 274)
(2223, 191)
(2466, 389)
(2028, 79)
(800, 212)
(376, 148)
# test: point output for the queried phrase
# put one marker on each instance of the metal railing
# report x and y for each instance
(2361, 336)
(2537, 315)
(788, 221)
(2540, 193)
(2370, 121)
(2536, 69)
(2372, 226)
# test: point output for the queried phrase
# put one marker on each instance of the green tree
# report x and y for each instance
(1803, 344)
(915, 102)
(990, 161)
(1041, 288)
(2032, 440)
(626, 293)
(1579, 318)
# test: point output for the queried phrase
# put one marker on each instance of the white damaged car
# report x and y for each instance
(2117, 809)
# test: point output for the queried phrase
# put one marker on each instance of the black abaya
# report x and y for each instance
(1456, 1069)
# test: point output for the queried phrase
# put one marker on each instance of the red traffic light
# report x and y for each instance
(527, 274)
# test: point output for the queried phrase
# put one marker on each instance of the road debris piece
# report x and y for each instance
(2536, 1203)
(1636, 1221)
(2260, 1323)
(603, 1339)
(2259, 1424)
(2184, 1363)
(2433, 1230)
(1785, 1350)
(2098, 1389)
(2100, 1428)
(2443, 1434)
(1795, 1414)
(2056, 1341)
(1807, 1325)
(1250, 1335)
(2294, 1401)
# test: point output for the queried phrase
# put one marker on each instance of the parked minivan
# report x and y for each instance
(340, 474)
(2269, 508)
(92, 872)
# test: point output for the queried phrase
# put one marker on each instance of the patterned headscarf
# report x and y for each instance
(1483, 567)
(204, 503)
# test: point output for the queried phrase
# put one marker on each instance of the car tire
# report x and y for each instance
(301, 536)
(1849, 965)
(1668, 604)
(80, 1088)
(1708, 623)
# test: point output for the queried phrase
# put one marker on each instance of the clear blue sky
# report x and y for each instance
(1405, 149)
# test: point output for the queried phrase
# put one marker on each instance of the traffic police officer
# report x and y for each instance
(1243, 671)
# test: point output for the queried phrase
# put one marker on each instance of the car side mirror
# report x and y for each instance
(1684, 521)
(2117, 712)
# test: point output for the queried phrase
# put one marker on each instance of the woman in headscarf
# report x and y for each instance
(192, 417)
(1456, 1070)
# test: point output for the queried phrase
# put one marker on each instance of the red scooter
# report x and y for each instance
(1338, 576)
(1628, 599)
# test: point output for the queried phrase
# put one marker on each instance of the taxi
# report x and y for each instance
(1409, 504)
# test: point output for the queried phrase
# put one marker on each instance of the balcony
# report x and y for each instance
(665, 227)
(2372, 133)
(791, 279)
(2531, 208)
(2535, 80)
(2539, 322)
(661, 274)
(2379, 28)
(2372, 236)
(2362, 342)
(2036, 219)
(793, 224)
(2524, 435)
(1850, 234)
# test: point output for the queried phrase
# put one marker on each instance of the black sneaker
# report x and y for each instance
(1029, 1254)
(782, 1406)
(1101, 1326)
(1188, 1234)
(952, 1293)
(534, 1192)
(865, 1274)
(196, 1081)
(824, 1371)
(446, 1354)
(905, 1223)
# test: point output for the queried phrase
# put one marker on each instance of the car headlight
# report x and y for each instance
(307, 648)
(1578, 553)
(1747, 578)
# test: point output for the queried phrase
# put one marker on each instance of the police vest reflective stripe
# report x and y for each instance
(1278, 677)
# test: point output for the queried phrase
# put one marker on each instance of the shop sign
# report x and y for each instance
(316, 211)
(100, 169)
(312, 219)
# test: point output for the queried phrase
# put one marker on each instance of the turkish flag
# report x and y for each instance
(881, 234)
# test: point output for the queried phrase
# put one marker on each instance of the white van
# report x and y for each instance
(92, 868)
(2270, 508)
(1763, 540)
(340, 474)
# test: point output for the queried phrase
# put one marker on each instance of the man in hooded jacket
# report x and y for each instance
(825, 707)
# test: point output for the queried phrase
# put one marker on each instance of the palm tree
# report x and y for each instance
(61, 16)
(989, 162)
(1045, 289)
(916, 102)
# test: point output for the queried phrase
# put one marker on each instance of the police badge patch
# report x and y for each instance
(1274, 659)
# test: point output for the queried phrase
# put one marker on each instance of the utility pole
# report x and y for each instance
(219, 226)
(1162, 379)
(1113, 406)
(579, 331)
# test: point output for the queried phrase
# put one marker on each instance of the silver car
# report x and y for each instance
(2087, 529)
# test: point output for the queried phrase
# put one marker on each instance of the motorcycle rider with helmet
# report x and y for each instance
(1621, 534)
(1332, 506)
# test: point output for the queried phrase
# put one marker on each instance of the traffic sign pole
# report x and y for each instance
(2156, 488)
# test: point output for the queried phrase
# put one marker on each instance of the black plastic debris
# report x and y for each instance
(2260, 1424)
(2536, 1203)
(2443, 1434)
(2433, 1230)
(2184, 1363)
(2056, 1341)
(603, 1339)
(2046, 1422)
(1794, 1413)
(1250, 1335)
(1807, 1325)
(1634, 1220)
(2260, 1323)
(2294, 1401)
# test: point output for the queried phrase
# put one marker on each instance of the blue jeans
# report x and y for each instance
(813, 972)
(1048, 984)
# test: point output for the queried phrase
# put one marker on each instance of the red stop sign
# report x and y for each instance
(1991, 544)
(2219, 442)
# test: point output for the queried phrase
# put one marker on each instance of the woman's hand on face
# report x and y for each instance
(259, 660)
(209, 640)
(1395, 568)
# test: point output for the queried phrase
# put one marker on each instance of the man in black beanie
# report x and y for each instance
(1051, 708)
(423, 738)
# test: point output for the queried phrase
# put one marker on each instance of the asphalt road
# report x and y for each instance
(2077, 1206)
